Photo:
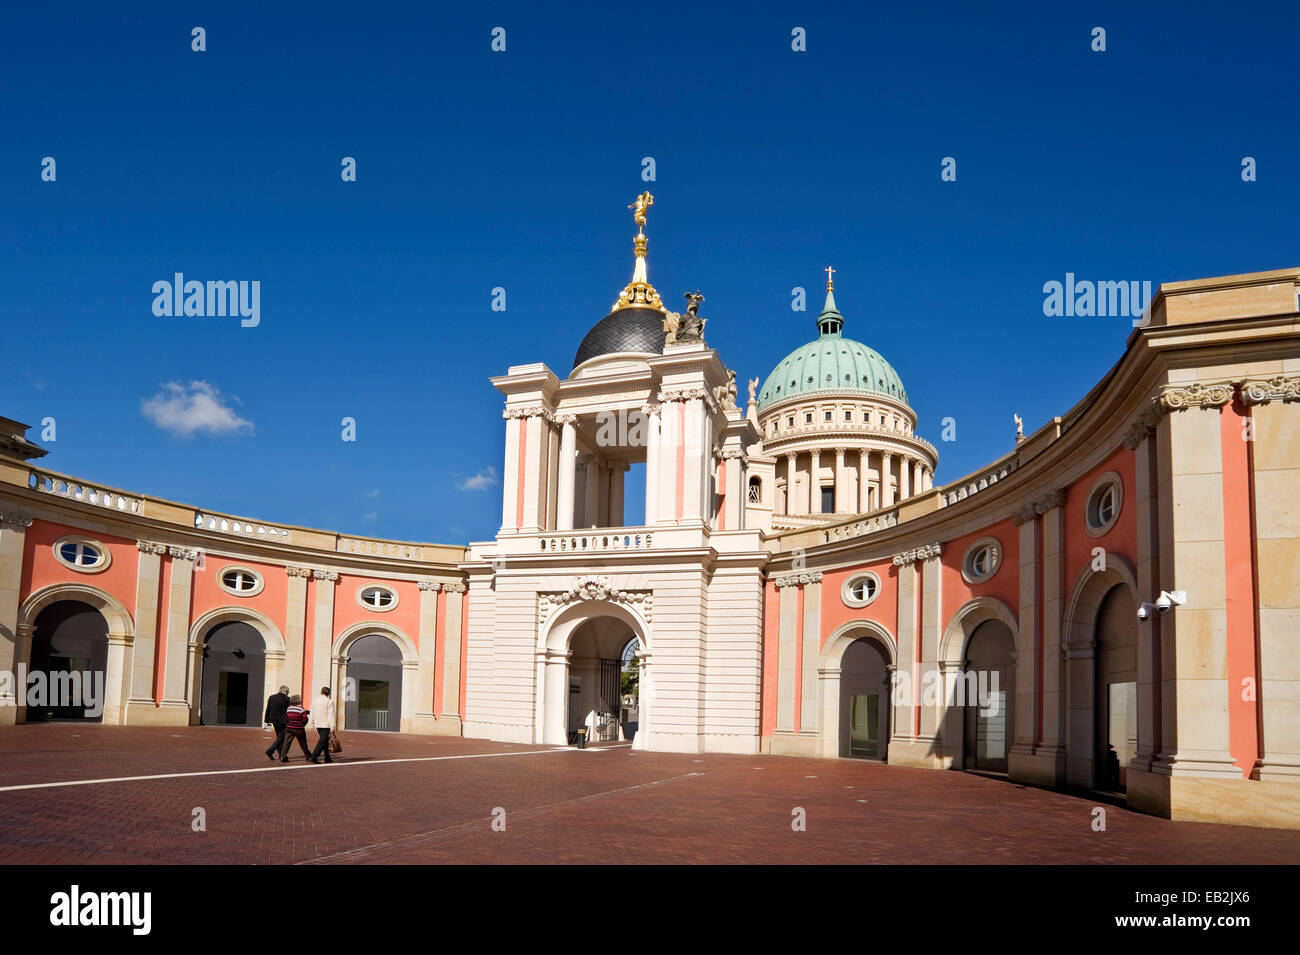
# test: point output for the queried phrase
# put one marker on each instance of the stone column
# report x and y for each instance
(904, 472)
(1051, 749)
(617, 470)
(841, 484)
(886, 485)
(323, 633)
(917, 486)
(790, 473)
(295, 631)
(568, 472)
(182, 670)
(555, 667)
(1020, 758)
(536, 438)
(652, 509)
(734, 492)
(454, 595)
(510, 476)
(428, 650)
(13, 535)
(595, 477)
(410, 680)
(815, 484)
(698, 459)
(140, 701)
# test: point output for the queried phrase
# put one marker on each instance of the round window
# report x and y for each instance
(1105, 498)
(81, 554)
(860, 590)
(377, 598)
(240, 581)
(982, 560)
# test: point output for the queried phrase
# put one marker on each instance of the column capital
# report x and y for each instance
(797, 580)
(14, 519)
(298, 571)
(529, 411)
(330, 575)
(429, 585)
(919, 553)
(183, 553)
(454, 587)
(1260, 391)
(151, 547)
(1039, 506)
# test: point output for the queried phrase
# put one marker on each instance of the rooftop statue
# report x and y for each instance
(686, 328)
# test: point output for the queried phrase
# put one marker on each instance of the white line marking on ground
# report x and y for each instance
(271, 769)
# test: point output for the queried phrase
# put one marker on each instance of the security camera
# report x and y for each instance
(1144, 611)
(1169, 599)
(1163, 603)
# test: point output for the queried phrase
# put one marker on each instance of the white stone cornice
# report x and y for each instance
(14, 519)
(796, 580)
(592, 587)
(919, 553)
(330, 575)
(183, 553)
(1260, 391)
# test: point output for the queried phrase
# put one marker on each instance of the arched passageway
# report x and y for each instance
(69, 663)
(234, 668)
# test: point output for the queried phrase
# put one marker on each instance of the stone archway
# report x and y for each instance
(410, 668)
(951, 719)
(1080, 649)
(121, 638)
(273, 670)
(553, 657)
(831, 725)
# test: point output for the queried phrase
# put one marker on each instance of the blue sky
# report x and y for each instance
(478, 169)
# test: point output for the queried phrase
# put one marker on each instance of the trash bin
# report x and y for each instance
(582, 739)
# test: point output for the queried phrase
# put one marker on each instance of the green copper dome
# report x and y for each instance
(831, 363)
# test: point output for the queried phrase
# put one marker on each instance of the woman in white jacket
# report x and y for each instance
(322, 714)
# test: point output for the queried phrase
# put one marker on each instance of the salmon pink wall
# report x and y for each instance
(405, 616)
(1004, 585)
(883, 610)
(41, 569)
(771, 612)
(1120, 539)
(273, 601)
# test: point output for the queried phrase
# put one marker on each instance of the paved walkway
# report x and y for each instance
(414, 799)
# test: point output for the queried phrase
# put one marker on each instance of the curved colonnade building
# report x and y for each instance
(797, 582)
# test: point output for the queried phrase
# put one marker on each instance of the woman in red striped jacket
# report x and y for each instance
(295, 728)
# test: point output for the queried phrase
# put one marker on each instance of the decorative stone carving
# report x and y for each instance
(529, 411)
(1145, 424)
(14, 519)
(592, 587)
(151, 547)
(795, 580)
(686, 394)
(332, 575)
(919, 553)
(1259, 391)
(1196, 395)
(1039, 506)
(725, 395)
(298, 571)
(455, 587)
(183, 553)
(429, 585)
(563, 419)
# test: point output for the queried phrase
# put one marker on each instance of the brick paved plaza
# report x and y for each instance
(433, 803)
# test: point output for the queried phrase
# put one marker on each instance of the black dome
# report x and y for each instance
(635, 329)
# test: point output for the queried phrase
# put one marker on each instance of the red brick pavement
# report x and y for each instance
(597, 806)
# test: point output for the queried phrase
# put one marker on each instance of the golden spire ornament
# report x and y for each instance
(830, 279)
(639, 293)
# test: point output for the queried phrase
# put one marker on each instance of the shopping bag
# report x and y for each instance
(336, 744)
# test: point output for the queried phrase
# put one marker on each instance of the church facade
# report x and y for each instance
(1112, 606)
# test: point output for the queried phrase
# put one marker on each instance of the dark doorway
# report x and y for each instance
(990, 719)
(864, 701)
(70, 651)
(234, 669)
(373, 700)
(1116, 700)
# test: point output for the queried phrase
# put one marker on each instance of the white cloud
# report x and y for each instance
(480, 482)
(185, 410)
(374, 493)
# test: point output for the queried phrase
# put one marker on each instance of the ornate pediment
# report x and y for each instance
(592, 587)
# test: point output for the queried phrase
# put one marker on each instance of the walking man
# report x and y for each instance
(276, 706)
(295, 728)
(322, 715)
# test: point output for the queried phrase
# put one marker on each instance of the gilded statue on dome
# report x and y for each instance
(643, 202)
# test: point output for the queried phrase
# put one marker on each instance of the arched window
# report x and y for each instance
(755, 491)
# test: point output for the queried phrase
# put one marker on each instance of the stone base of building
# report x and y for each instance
(730, 743)
(920, 753)
(499, 732)
(145, 713)
(427, 725)
(1042, 767)
(1238, 802)
(792, 744)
